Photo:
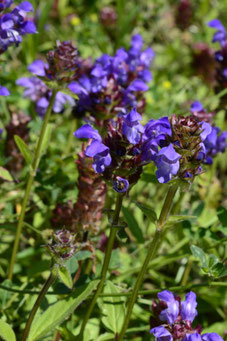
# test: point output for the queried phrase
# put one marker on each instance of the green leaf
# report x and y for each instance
(65, 276)
(175, 219)
(148, 211)
(218, 327)
(222, 215)
(68, 92)
(133, 225)
(59, 311)
(106, 337)
(6, 332)
(4, 174)
(113, 309)
(23, 149)
(199, 253)
(212, 261)
(218, 270)
(147, 177)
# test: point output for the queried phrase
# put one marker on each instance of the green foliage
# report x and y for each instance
(59, 311)
(5, 175)
(6, 332)
(113, 309)
(23, 149)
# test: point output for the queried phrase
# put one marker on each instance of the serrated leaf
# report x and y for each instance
(113, 309)
(133, 225)
(5, 175)
(148, 211)
(23, 149)
(199, 253)
(6, 332)
(59, 311)
(65, 276)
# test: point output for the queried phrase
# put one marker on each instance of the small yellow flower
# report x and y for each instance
(75, 21)
(93, 17)
(166, 84)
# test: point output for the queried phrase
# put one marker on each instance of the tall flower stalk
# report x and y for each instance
(30, 182)
(112, 236)
(151, 253)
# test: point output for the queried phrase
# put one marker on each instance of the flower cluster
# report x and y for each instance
(14, 24)
(63, 66)
(215, 142)
(178, 317)
(17, 126)
(38, 91)
(178, 146)
(62, 245)
(115, 82)
(220, 55)
(184, 14)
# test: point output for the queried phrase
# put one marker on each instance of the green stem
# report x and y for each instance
(30, 182)
(112, 236)
(151, 253)
(42, 293)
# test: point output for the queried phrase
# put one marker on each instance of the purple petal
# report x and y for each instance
(206, 127)
(38, 68)
(4, 91)
(87, 132)
(138, 85)
(161, 334)
(188, 307)
(192, 337)
(211, 337)
(196, 106)
(94, 148)
(26, 6)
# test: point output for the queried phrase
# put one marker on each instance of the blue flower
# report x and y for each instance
(171, 312)
(161, 334)
(158, 129)
(211, 337)
(196, 106)
(120, 185)
(220, 35)
(4, 91)
(132, 129)
(188, 307)
(97, 150)
(167, 162)
(14, 25)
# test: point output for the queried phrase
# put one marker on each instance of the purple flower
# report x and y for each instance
(167, 162)
(120, 185)
(1, 131)
(132, 129)
(4, 91)
(196, 106)
(97, 150)
(206, 130)
(192, 337)
(171, 312)
(38, 92)
(188, 307)
(161, 334)
(87, 132)
(38, 68)
(220, 35)
(14, 25)
(158, 129)
(211, 337)
(5, 4)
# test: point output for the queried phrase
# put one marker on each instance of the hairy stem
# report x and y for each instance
(42, 293)
(151, 253)
(112, 236)
(29, 184)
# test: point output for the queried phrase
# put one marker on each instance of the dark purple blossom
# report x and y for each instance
(188, 307)
(171, 312)
(120, 185)
(167, 162)
(161, 334)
